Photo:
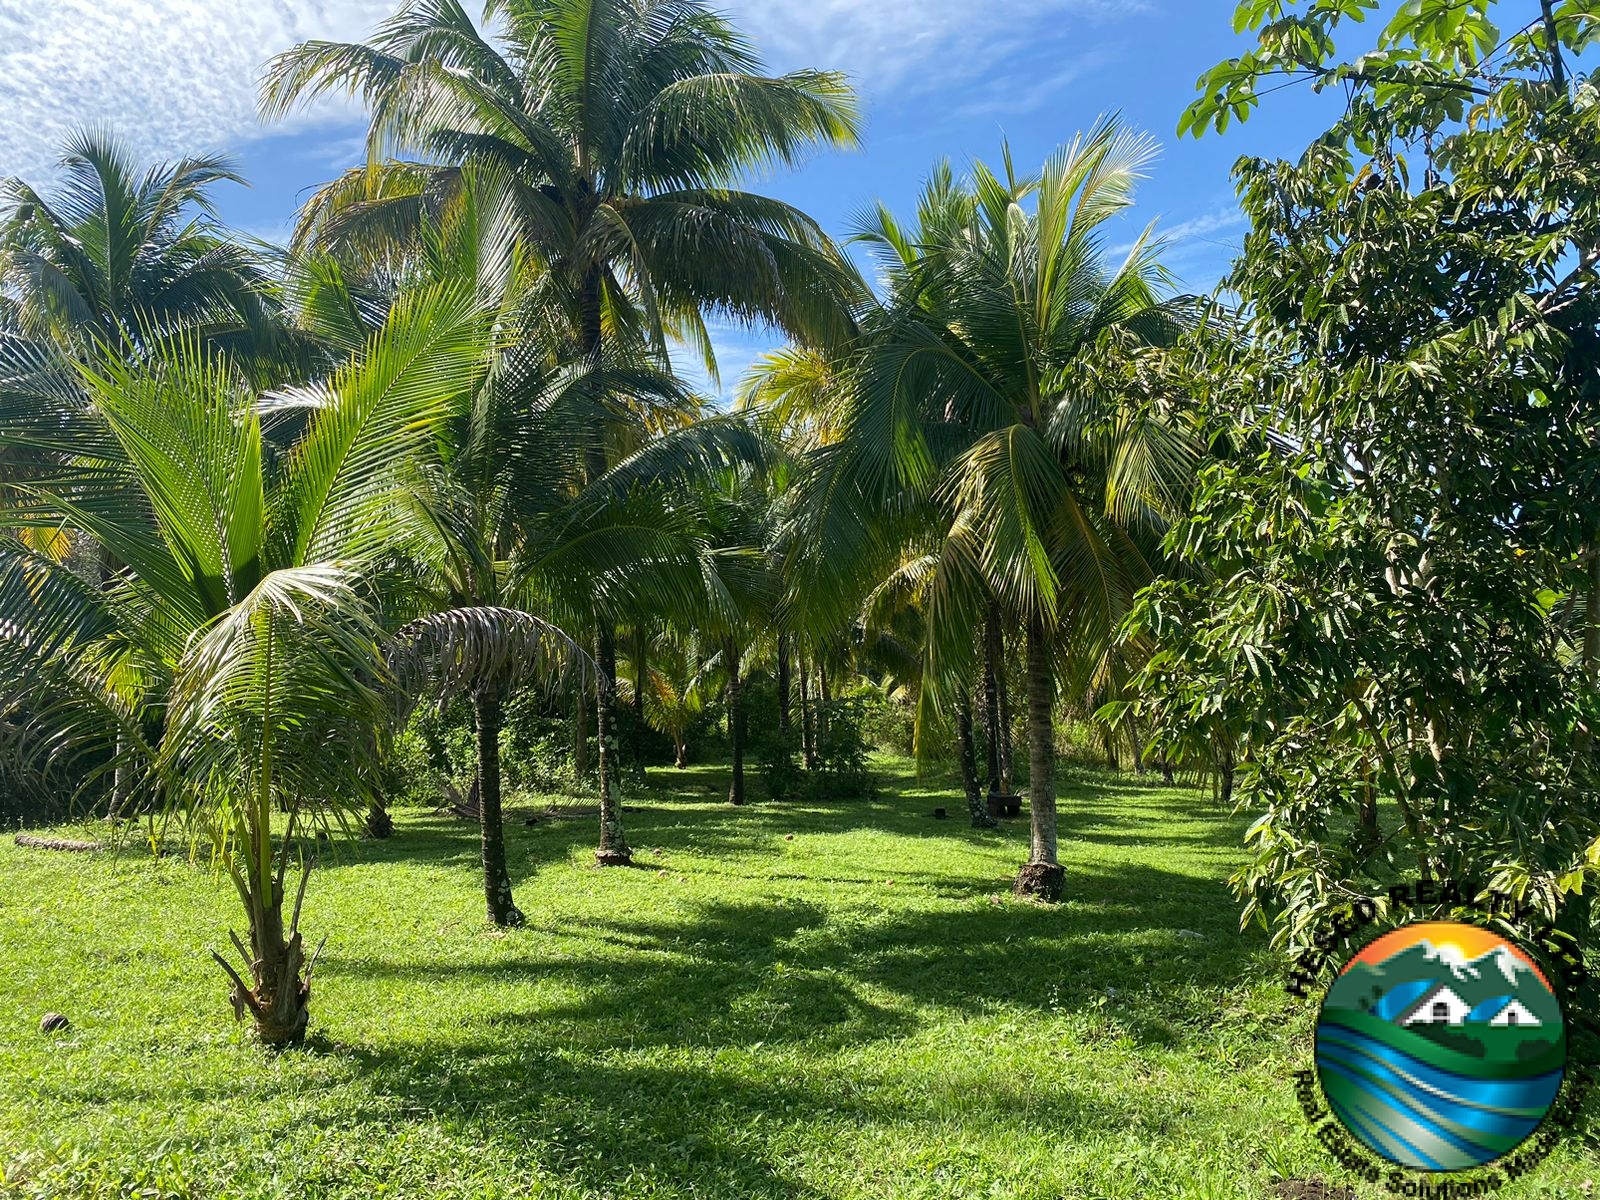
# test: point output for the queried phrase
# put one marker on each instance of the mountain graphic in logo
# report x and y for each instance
(1441, 1047)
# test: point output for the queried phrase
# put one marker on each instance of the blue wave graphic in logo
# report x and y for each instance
(1419, 1116)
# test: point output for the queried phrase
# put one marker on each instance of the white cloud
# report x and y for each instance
(179, 76)
(1205, 226)
(170, 76)
(884, 44)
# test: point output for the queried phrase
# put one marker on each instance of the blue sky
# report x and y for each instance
(938, 78)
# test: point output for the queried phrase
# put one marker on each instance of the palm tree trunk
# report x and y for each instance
(824, 707)
(682, 758)
(1003, 708)
(640, 675)
(1041, 876)
(1225, 771)
(991, 695)
(967, 756)
(121, 779)
(808, 725)
(502, 908)
(783, 683)
(735, 722)
(613, 850)
(580, 737)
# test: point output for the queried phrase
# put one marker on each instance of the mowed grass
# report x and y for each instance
(821, 1000)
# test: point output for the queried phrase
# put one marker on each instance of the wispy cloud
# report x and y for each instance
(886, 44)
(1205, 227)
(170, 76)
(1006, 96)
(179, 76)
(1199, 249)
(736, 347)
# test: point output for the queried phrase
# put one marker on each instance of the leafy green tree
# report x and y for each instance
(998, 401)
(615, 132)
(234, 659)
(1397, 614)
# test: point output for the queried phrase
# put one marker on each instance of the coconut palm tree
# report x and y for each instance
(123, 257)
(1000, 391)
(232, 660)
(508, 539)
(615, 131)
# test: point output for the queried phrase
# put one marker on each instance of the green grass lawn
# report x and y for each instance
(830, 1000)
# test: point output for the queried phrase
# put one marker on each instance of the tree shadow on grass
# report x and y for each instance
(665, 1051)
(789, 970)
(680, 811)
(710, 1128)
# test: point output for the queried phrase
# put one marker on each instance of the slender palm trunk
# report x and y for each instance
(808, 724)
(681, 760)
(783, 683)
(121, 781)
(967, 756)
(613, 850)
(1003, 709)
(991, 695)
(640, 675)
(1041, 876)
(491, 822)
(824, 710)
(735, 722)
(580, 736)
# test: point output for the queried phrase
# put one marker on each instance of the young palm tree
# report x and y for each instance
(999, 389)
(615, 131)
(676, 684)
(233, 660)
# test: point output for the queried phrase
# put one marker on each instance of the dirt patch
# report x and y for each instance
(1311, 1189)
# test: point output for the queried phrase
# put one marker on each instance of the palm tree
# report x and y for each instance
(500, 523)
(614, 131)
(476, 633)
(675, 686)
(122, 258)
(233, 659)
(1001, 388)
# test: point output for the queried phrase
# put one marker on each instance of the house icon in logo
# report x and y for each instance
(1440, 1005)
